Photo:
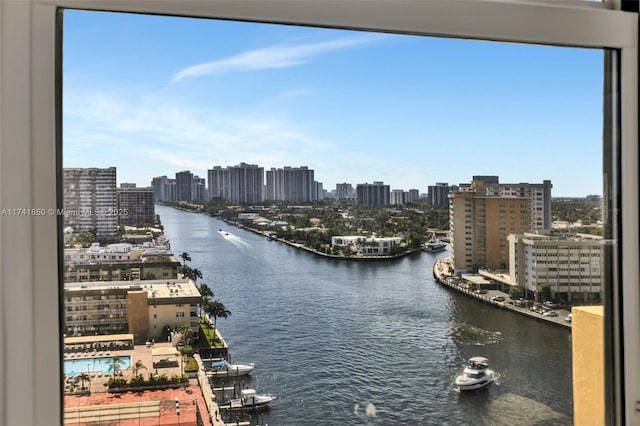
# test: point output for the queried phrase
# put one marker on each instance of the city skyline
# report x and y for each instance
(355, 107)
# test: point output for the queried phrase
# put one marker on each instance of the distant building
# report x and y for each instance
(184, 185)
(291, 184)
(241, 184)
(90, 201)
(137, 203)
(376, 194)
(569, 264)
(345, 192)
(412, 196)
(198, 189)
(438, 194)
(142, 308)
(164, 189)
(366, 246)
(396, 197)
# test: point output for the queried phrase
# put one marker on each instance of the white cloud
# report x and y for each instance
(281, 56)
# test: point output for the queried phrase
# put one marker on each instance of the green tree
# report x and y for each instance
(84, 377)
(515, 292)
(115, 366)
(215, 309)
(185, 257)
(205, 291)
(139, 365)
(186, 333)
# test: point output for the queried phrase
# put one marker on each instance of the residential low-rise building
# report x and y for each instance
(570, 265)
(366, 246)
(142, 308)
(119, 262)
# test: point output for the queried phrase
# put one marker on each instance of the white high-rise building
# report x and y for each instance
(91, 201)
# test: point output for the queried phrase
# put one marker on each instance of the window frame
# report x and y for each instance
(31, 152)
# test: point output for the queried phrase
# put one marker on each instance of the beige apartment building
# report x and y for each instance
(480, 221)
(568, 264)
(141, 308)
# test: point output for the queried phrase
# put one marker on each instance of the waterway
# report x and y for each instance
(370, 343)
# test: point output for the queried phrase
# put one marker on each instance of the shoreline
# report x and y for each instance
(440, 277)
(266, 234)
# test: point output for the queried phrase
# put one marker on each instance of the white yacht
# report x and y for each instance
(475, 374)
(248, 399)
(221, 368)
(434, 244)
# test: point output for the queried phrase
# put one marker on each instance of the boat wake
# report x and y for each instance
(473, 335)
(233, 239)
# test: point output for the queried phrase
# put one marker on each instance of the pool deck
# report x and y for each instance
(150, 407)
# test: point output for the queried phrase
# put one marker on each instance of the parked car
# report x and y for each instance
(498, 298)
(550, 304)
(550, 314)
(568, 318)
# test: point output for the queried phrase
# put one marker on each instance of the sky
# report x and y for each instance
(155, 95)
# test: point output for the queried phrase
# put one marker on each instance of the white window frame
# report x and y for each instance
(30, 385)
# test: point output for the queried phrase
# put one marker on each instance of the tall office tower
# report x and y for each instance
(344, 191)
(292, 184)
(243, 184)
(198, 188)
(438, 194)
(164, 188)
(215, 183)
(484, 213)
(91, 201)
(376, 194)
(184, 185)
(138, 203)
(397, 196)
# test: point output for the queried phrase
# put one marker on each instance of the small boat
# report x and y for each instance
(248, 400)
(434, 244)
(221, 368)
(475, 374)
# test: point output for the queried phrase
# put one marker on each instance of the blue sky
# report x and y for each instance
(155, 95)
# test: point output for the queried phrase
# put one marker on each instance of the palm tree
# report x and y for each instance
(185, 257)
(83, 377)
(117, 362)
(186, 333)
(139, 365)
(216, 310)
(196, 273)
(205, 291)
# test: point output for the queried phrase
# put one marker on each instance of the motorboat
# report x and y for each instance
(434, 244)
(248, 400)
(475, 375)
(221, 368)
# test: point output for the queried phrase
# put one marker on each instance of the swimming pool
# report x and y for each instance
(104, 363)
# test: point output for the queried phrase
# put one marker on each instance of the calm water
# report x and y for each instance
(331, 338)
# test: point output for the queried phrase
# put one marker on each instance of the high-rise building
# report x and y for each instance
(91, 201)
(376, 194)
(345, 192)
(397, 196)
(438, 194)
(184, 186)
(135, 205)
(412, 196)
(292, 184)
(241, 184)
(198, 188)
(164, 188)
(484, 213)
